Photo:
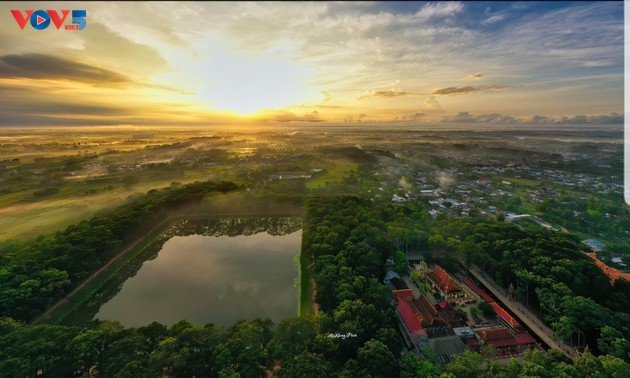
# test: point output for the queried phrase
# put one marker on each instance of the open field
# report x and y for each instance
(335, 174)
(52, 178)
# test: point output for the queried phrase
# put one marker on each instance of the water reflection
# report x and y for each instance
(211, 279)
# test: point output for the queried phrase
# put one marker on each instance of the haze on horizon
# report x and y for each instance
(159, 63)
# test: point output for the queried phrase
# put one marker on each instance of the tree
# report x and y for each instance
(374, 357)
(86, 349)
(307, 365)
(291, 338)
(550, 300)
(614, 367)
(467, 365)
(400, 261)
(413, 367)
(391, 339)
(588, 365)
(352, 369)
(486, 309)
(614, 343)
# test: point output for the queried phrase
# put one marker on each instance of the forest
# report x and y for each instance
(36, 273)
(346, 239)
(551, 275)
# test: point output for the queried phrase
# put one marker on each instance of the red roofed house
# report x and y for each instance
(442, 281)
(477, 290)
(506, 319)
(505, 342)
(426, 309)
(411, 319)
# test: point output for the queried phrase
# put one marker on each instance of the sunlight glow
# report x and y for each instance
(247, 83)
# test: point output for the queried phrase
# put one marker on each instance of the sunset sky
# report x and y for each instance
(220, 63)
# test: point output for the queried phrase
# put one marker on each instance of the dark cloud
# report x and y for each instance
(476, 76)
(467, 89)
(412, 117)
(465, 117)
(387, 94)
(329, 106)
(286, 116)
(496, 118)
(41, 66)
(613, 118)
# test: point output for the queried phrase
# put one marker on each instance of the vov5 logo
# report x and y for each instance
(40, 19)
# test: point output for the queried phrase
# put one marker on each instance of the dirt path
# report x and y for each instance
(133, 246)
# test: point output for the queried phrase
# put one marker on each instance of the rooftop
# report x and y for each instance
(500, 337)
(450, 345)
(477, 290)
(503, 314)
(443, 280)
(410, 317)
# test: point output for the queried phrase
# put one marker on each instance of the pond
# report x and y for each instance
(219, 271)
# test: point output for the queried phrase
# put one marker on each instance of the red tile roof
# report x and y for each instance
(500, 337)
(503, 314)
(425, 308)
(404, 293)
(412, 319)
(442, 280)
(477, 290)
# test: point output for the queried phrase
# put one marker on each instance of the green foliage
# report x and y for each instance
(307, 365)
(303, 347)
(377, 360)
(549, 272)
(486, 309)
(614, 343)
(34, 274)
(292, 337)
(412, 367)
(400, 262)
(467, 365)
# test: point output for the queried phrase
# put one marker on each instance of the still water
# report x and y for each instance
(212, 279)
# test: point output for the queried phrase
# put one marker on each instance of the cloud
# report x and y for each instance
(432, 104)
(324, 106)
(42, 66)
(343, 46)
(327, 95)
(287, 116)
(465, 117)
(497, 118)
(466, 89)
(494, 19)
(441, 9)
(387, 94)
(613, 118)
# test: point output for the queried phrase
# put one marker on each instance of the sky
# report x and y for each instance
(161, 63)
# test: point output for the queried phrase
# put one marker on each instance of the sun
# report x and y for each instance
(247, 83)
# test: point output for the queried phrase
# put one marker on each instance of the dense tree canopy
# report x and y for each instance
(33, 274)
(355, 335)
(549, 272)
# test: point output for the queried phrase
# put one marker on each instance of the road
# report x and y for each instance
(523, 314)
(161, 225)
